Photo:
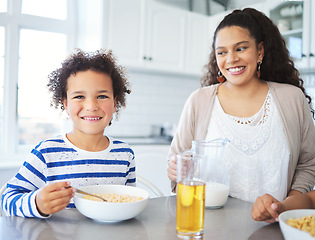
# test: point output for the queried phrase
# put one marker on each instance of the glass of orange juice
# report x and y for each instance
(190, 207)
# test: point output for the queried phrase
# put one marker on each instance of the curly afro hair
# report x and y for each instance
(99, 61)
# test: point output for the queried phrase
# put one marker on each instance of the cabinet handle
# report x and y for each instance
(311, 55)
(150, 59)
(303, 55)
(144, 57)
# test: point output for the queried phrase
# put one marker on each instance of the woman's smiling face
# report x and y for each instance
(237, 54)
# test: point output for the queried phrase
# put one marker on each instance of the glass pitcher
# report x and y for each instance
(217, 179)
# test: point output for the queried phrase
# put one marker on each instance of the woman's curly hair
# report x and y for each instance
(99, 61)
(277, 66)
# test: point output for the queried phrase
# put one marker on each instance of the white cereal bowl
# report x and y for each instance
(111, 212)
(292, 233)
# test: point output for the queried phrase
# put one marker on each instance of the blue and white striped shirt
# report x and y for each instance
(57, 159)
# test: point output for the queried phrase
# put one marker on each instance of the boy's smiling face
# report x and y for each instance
(90, 102)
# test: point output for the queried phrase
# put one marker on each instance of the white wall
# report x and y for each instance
(155, 99)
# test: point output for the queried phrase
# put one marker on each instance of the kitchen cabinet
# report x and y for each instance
(295, 21)
(145, 34)
(198, 42)
(308, 36)
(311, 53)
(124, 30)
(165, 33)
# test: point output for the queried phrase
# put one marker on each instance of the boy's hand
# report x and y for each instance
(54, 197)
(266, 208)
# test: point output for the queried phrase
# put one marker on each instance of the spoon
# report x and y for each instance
(90, 194)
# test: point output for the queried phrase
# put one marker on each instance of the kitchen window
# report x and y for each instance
(36, 119)
(1, 77)
(56, 9)
(35, 36)
(3, 5)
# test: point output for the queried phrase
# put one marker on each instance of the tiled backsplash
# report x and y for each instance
(155, 99)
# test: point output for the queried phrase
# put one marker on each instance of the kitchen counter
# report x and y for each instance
(146, 140)
(157, 221)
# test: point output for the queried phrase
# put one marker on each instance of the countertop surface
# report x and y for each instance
(157, 221)
(149, 140)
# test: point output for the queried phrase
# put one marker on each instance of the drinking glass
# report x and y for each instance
(190, 208)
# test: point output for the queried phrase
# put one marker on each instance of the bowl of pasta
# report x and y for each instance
(123, 202)
(298, 224)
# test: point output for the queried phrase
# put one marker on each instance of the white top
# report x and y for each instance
(257, 155)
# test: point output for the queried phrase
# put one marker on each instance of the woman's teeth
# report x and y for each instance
(236, 69)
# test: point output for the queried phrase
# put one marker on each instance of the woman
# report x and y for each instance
(252, 95)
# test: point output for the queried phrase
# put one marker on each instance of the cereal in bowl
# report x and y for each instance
(114, 197)
(304, 223)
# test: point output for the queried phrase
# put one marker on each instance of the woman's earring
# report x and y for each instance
(258, 69)
(220, 77)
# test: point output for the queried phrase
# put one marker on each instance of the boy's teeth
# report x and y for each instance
(91, 119)
(237, 69)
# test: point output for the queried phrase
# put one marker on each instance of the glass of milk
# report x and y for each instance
(217, 180)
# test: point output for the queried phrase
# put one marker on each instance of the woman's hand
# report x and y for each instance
(172, 168)
(266, 208)
(54, 197)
